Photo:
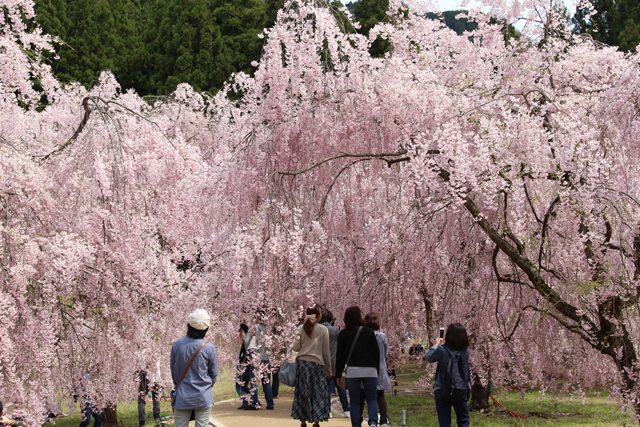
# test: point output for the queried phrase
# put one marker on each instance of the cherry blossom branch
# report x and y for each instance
(85, 120)
(80, 128)
(573, 328)
(545, 226)
(335, 178)
(527, 267)
(528, 196)
(380, 156)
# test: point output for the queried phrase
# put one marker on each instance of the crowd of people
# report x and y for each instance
(328, 360)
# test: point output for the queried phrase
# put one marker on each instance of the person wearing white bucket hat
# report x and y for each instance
(194, 370)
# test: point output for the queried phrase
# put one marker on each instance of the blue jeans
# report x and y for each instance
(266, 389)
(87, 417)
(370, 394)
(238, 386)
(443, 407)
(331, 385)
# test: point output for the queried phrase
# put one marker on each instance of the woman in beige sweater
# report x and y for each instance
(311, 399)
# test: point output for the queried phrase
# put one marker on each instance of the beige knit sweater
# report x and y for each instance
(314, 348)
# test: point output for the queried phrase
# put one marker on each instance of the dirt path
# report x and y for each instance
(226, 414)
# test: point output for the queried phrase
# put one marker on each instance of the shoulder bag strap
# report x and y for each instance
(353, 346)
(189, 365)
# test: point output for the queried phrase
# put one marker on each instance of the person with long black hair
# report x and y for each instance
(362, 367)
(372, 320)
(455, 342)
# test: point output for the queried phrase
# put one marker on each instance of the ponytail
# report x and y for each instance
(310, 320)
(308, 327)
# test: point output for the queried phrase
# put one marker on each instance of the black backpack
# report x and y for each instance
(455, 383)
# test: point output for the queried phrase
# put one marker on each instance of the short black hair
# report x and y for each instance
(1, 407)
(194, 333)
(456, 337)
(327, 316)
(353, 317)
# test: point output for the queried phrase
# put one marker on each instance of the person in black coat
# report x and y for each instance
(362, 367)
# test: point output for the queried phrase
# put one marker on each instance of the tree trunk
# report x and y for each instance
(428, 308)
(110, 416)
(479, 394)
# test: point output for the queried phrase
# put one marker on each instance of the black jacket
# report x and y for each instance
(365, 353)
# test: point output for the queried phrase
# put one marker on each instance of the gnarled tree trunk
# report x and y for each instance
(479, 394)
(110, 416)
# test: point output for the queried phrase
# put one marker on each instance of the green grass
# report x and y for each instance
(127, 415)
(128, 411)
(540, 411)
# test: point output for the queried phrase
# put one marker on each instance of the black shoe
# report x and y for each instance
(243, 407)
(250, 408)
(269, 407)
(156, 419)
(142, 423)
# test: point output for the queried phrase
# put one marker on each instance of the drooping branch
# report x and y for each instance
(97, 101)
(528, 268)
(80, 128)
(530, 201)
(335, 178)
(573, 328)
(381, 156)
(545, 228)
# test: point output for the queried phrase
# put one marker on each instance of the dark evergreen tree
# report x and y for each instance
(368, 14)
(240, 22)
(630, 36)
(95, 35)
(602, 25)
(459, 25)
(183, 44)
(271, 11)
(616, 23)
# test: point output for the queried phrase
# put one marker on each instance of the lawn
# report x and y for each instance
(128, 411)
(540, 411)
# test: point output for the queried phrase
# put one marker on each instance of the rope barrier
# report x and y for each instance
(515, 415)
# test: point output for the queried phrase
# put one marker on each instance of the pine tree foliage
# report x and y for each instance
(153, 45)
(614, 22)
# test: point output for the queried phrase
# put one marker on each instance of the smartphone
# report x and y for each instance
(441, 333)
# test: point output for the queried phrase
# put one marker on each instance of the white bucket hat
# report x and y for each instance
(200, 319)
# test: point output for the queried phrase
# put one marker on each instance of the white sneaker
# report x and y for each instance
(347, 414)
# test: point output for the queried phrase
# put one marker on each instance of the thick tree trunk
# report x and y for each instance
(479, 394)
(110, 416)
(428, 308)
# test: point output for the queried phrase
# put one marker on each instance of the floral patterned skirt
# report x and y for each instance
(311, 399)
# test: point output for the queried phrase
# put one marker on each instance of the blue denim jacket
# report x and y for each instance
(439, 354)
(195, 390)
